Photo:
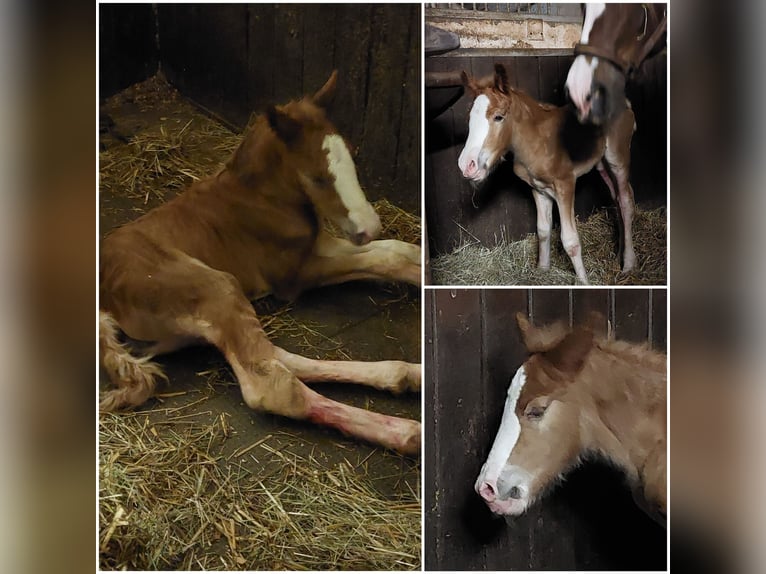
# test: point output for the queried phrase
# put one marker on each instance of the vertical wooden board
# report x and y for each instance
(551, 86)
(388, 49)
(631, 314)
(203, 51)
(550, 305)
(127, 45)
(352, 47)
(527, 72)
(406, 192)
(459, 415)
(659, 319)
(288, 52)
(444, 196)
(260, 60)
(431, 456)
(318, 45)
(585, 301)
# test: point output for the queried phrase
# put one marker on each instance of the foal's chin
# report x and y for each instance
(508, 508)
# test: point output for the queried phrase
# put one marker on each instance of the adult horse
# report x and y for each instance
(615, 41)
(184, 272)
(579, 395)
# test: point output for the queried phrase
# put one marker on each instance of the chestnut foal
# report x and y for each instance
(183, 273)
(551, 149)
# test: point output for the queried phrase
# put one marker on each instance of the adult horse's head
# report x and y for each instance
(488, 131)
(616, 39)
(539, 435)
(313, 148)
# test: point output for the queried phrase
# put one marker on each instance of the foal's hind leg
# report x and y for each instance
(394, 376)
(617, 157)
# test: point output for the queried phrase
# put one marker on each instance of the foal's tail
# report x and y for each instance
(135, 377)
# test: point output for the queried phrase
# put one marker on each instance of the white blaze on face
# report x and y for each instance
(364, 222)
(507, 436)
(478, 129)
(580, 75)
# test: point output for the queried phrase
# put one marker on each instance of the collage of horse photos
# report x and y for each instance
(383, 287)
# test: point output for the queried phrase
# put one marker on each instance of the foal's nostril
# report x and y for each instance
(515, 492)
(487, 492)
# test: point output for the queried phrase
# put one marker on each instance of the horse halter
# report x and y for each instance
(628, 67)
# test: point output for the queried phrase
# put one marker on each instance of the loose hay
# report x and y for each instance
(515, 263)
(174, 491)
(169, 500)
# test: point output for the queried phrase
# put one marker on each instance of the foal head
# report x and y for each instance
(313, 148)
(539, 436)
(489, 128)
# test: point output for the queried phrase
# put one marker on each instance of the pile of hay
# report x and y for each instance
(171, 499)
(515, 263)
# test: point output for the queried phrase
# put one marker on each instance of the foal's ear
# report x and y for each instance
(326, 94)
(537, 339)
(501, 79)
(469, 83)
(287, 128)
(569, 355)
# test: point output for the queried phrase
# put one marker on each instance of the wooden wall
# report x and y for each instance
(503, 207)
(127, 46)
(472, 349)
(236, 58)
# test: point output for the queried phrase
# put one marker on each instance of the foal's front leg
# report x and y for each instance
(336, 260)
(569, 236)
(544, 205)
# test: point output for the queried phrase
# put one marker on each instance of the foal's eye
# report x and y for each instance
(499, 118)
(535, 413)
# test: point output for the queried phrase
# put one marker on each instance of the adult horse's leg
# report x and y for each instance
(337, 260)
(617, 157)
(610, 182)
(569, 237)
(544, 205)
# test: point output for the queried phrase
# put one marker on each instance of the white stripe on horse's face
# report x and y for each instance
(580, 76)
(478, 129)
(592, 12)
(507, 435)
(365, 223)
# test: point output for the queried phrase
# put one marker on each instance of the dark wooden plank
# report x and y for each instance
(407, 191)
(388, 49)
(431, 454)
(352, 45)
(659, 319)
(584, 301)
(128, 46)
(260, 62)
(527, 78)
(551, 87)
(288, 52)
(318, 45)
(631, 314)
(550, 305)
(458, 408)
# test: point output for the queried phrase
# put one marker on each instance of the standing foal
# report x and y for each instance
(551, 149)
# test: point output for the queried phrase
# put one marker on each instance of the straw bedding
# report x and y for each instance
(515, 262)
(177, 488)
